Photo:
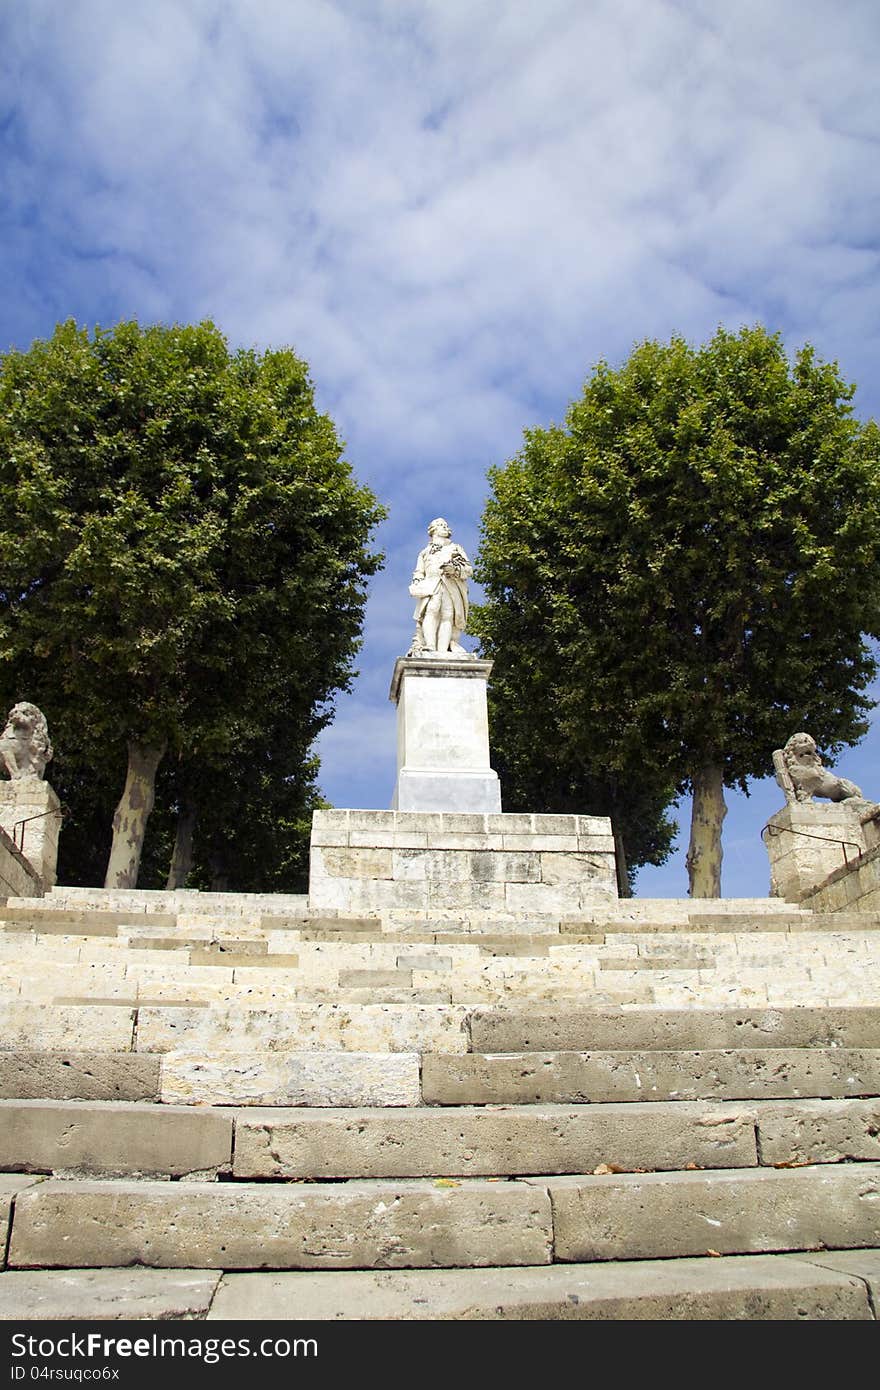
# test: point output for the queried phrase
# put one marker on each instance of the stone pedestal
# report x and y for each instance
(369, 863)
(443, 736)
(807, 841)
(33, 801)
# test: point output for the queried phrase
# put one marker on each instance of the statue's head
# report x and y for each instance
(800, 746)
(439, 527)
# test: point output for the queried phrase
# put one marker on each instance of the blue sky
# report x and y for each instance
(452, 209)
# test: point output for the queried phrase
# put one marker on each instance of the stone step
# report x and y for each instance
(760, 1073)
(276, 993)
(409, 1223)
(624, 951)
(727, 922)
(47, 919)
(189, 900)
(517, 1141)
(331, 1026)
(322, 1027)
(584, 1030)
(215, 1078)
(838, 1285)
(223, 1076)
(114, 1138)
(107, 1295)
(491, 931)
(417, 1223)
(835, 1285)
(42, 975)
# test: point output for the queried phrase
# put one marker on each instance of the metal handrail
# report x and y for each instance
(809, 835)
(41, 815)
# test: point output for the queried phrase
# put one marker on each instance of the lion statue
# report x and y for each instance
(800, 773)
(24, 743)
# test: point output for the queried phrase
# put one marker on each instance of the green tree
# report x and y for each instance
(183, 548)
(681, 576)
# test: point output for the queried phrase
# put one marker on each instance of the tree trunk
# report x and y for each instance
(182, 857)
(131, 816)
(623, 888)
(704, 851)
(219, 882)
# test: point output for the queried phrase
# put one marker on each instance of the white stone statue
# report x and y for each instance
(439, 583)
(801, 775)
(24, 743)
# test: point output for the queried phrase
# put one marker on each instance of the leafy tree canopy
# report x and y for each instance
(682, 575)
(184, 548)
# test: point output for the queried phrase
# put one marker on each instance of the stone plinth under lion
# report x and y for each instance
(30, 811)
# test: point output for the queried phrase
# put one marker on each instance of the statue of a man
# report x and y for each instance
(439, 583)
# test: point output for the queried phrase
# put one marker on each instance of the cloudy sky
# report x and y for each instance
(452, 209)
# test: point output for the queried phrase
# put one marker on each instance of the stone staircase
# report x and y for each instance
(228, 1106)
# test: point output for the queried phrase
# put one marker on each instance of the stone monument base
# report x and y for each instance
(809, 840)
(368, 862)
(443, 736)
(32, 801)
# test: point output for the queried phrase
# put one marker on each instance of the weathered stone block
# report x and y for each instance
(112, 1137)
(525, 1078)
(84, 1028)
(368, 820)
(595, 825)
(460, 823)
(357, 863)
(596, 844)
(10, 1186)
(863, 1265)
(459, 840)
(572, 868)
(291, 1078)
(282, 1226)
(424, 962)
(476, 1142)
(87, 1295)
(466, 894)
(558, 844)
(375, 979)
(666, 1215)
(307, 1027)
(582, 1030)
(744, 1288)
(78, 1076)
(556, 825)
(819, 1131)
(550, 898)
(510, 824)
